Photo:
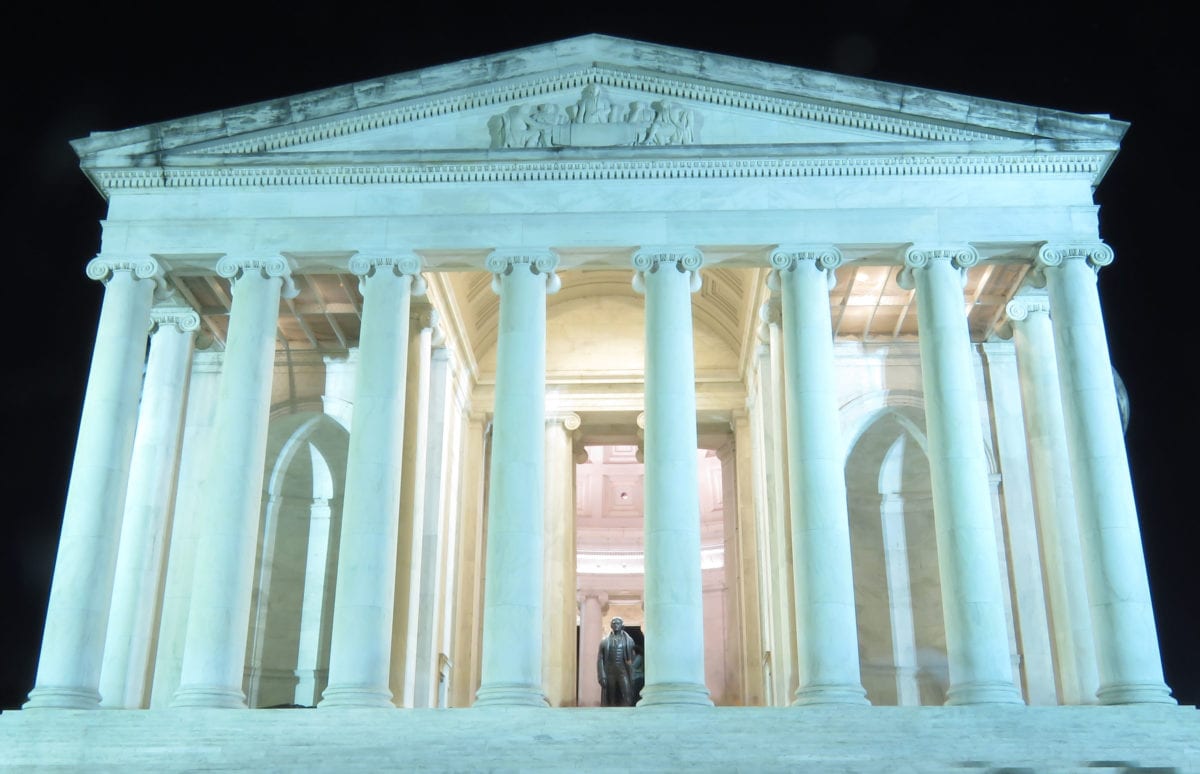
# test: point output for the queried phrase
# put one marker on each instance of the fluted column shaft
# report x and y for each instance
(1049, 464)
(826, 627)
(361, 641)
(215, 645)
(152, 472)
(1130, 666)
(512, 607)
(972, 596)
(673, 586)
(73, 640)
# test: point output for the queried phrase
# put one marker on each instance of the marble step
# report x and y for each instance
(826, 739)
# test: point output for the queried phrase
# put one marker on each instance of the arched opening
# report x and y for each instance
(897, 590)
(610, 560)
(287, 654)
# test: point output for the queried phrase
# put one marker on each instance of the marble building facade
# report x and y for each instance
(805, 376)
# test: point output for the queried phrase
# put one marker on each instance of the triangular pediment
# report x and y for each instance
(594, 93)
(593, 107)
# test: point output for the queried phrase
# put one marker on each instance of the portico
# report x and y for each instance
(417, 304)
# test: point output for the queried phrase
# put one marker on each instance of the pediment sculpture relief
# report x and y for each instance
(594, 121)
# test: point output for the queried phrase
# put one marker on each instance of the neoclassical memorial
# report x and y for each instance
(402, 389)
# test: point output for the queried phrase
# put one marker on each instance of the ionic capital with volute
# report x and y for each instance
(104, 266)
(1021, 307)
(403, 264)
(183, 318)
(234, 268)
(505, 261)
(826, 258)
(650, 259)
(1052, 255)
(961, 257)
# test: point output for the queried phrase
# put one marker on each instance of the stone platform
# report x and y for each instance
(819, 739)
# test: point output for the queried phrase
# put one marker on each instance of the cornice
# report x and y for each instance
(269, 173)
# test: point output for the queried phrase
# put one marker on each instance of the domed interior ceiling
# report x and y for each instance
(609, 510)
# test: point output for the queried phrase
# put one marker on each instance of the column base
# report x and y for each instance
(217, 696)
(356, 696)
(830, 694)
(998, 692)
(1120, 693)
(510, 695)
(59, 697)
(675, 694)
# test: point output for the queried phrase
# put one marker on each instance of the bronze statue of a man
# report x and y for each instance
(614, 667)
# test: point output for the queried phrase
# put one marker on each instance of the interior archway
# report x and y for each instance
(897, 589)
(287, 654)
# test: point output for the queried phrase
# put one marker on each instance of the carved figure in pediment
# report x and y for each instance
(672, 125)
(593, 107)
(515, 128)
(594, 121)
(639, 113)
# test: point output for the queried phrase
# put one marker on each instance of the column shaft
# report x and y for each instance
(591, 631)
(972, 598)
(1045, 429)
(673, 585)
(218, 619)
(1130, 667)
(433, 535)
(361, 642)
(73, 640)
(512, 609)
(412, 510)
(132, 619)
(559, 668)
(826, 628)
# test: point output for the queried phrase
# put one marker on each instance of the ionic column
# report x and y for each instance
(826, 628)
(131, 621)
(1130, 667)
(673, 586)
(73, 640)
(512, 607)
(214, 650)
(972, 596)
(1049, 466)
(361, 640)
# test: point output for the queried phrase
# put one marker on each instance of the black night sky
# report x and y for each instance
(112, 66)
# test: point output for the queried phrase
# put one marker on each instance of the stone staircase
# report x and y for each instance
(894, 740)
